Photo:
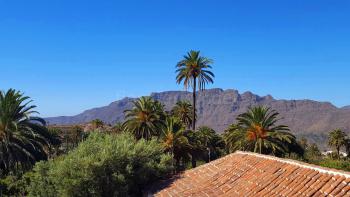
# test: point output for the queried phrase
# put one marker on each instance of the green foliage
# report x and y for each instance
(196, 145)
(13, 186)
(312, 153)
(145, 119)
(213, 143)
(97, 124)
(257, 131)
(336, 140)
(117, 128)
(183, 110)
(23, 136)
(337, 164)
(174, 140)
(194, 71)
(102, 165)
(54, 148)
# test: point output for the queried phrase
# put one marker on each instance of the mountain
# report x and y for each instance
(346, 107)
(218, 108)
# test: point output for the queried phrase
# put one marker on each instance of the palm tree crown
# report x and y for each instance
(194, 71)
(174, 140)
(24, 138)
(146, 118)
(184, 111)
(337, 139)
(257, 131)
(97, 123)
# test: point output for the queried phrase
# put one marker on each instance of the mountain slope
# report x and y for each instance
(218, 109)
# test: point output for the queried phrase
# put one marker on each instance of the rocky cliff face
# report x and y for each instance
(218, 109)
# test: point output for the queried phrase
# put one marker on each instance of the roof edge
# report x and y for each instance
(299, 164)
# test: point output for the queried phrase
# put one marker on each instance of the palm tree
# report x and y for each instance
(78, 133)
(337, 139)
(184, 111)
(24, 139)
(347, 147)
(197, 146)
(54, 146)
(304, 143)
(193, 71)
(256, 131)
(145, 119)
(97, 123)
(312, 152)
(212, 142)
(174, 140)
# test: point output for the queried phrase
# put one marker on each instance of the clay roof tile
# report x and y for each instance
(250, 174)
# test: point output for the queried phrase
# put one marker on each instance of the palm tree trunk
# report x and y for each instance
(193, 159)
(172, 159)
(260, 146)
(194, 105)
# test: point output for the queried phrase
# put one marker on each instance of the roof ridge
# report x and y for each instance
(299, 164)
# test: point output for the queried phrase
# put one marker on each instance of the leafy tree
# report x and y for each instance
(174, 140)
(145, 119)
(336, 140)
(102, 165)
(257, 131)
(193, 71)
(23, 136)
(184, 111)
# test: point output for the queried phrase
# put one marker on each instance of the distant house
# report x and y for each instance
(342, 154)
(250, 174)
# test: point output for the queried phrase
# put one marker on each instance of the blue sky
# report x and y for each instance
(73, 55)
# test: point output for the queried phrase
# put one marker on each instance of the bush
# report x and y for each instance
(337, 164)
(103, 165)
(12, 186)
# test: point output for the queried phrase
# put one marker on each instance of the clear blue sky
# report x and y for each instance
(74, 55)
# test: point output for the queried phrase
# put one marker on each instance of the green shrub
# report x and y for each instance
(337, 164)
(103, 165)
(11, 186)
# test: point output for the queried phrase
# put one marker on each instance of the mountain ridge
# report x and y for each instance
(219, 108)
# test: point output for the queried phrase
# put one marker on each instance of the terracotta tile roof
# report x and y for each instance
(250, 174)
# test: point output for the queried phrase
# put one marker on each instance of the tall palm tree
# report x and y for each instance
(184, 111)
(174, 140)
(257, 131)
(337, 139)
(24, 139)
(193, 71)
(145, 119)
